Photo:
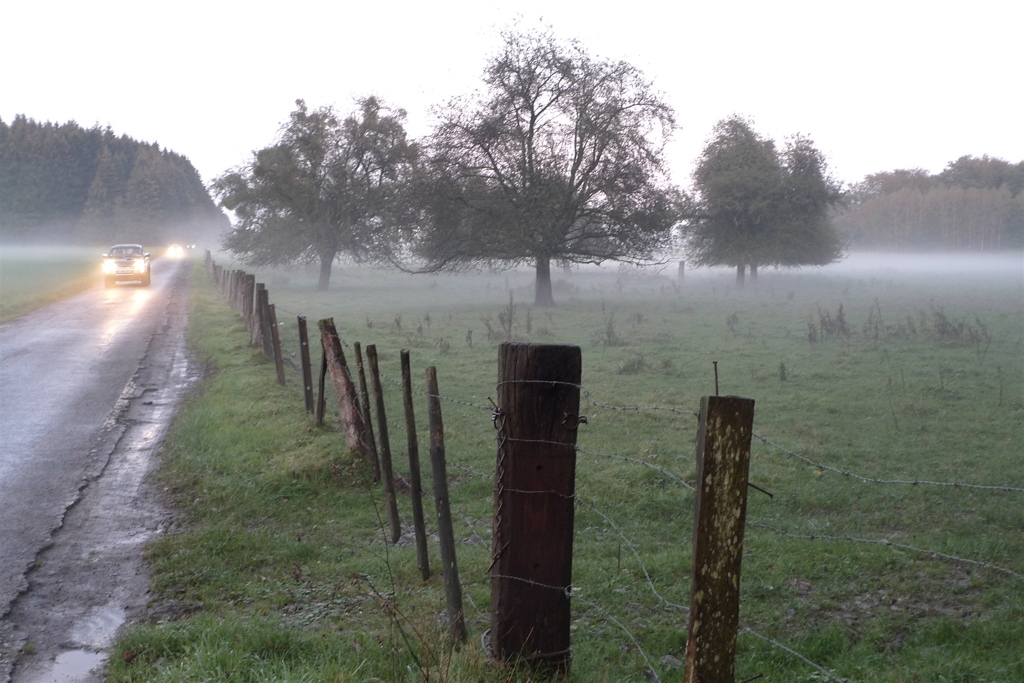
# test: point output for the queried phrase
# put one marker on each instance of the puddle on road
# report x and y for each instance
(71, 667)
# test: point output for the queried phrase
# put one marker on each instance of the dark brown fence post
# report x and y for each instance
(307, 365)
(258, 315)
(348, 407)
(723, 460)
(321, 401)
(534, 498)
(445, 532)
(387, 473)
(275, 343)
(415, 481)
(266, 331)
(248, 301)
(364, 401)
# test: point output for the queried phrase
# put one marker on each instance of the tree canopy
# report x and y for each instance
(559, 160)
(326, 188)
(756, 205)
(62, 182)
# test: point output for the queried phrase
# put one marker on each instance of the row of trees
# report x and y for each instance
(974, 204)
(64, 183)
(558, 161)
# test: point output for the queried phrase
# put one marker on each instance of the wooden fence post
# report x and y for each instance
(723, 460)
(415, 482)
(387, 473)
(445, 532)
(364, 401)
(275, 343)
(321, 401)
(348, 407)
(307, 365)
(248, 301)
(258, 315)
(534, 497)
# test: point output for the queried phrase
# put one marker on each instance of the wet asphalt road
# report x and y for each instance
(69, 375)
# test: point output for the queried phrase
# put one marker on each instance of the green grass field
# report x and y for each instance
(32, 277)
(875, 391)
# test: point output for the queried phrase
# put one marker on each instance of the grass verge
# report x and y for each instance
(280, 570)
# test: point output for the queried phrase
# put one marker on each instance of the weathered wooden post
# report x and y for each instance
(248, 296)
(307, 365)
(364, 401)
(723, 460)
(415, 482)
(275, 343)
(348, 407)
(445, 531)
(534, 497)
(321, 401)
(387, 472)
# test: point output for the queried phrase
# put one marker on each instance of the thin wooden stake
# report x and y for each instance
(321, 401)
(387, 473)
(445, 531)
(307, 366)
(275, 338)
(415, 483)
(364, 402)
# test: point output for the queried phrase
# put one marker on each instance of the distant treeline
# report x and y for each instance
(974, 204)
(67, 184)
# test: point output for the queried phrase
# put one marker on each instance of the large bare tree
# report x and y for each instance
(560, 160)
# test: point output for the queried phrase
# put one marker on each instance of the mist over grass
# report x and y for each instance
(37, 275)
(869, 382)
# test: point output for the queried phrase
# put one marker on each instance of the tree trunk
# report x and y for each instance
(325, 273)
(753, 272)
(741, 273)
(543, 297)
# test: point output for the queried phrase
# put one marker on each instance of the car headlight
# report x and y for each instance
(109, 266)
(140, 266)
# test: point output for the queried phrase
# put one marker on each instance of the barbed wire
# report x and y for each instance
(599, 404)
(665, 472)
(871, 480)
(826, 672)
(887, 542)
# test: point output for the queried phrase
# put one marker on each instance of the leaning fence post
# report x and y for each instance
(445, 531)
(348, 408)
(415, 482)
(537, 417)
(723, 460)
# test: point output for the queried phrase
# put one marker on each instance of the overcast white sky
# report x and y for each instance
(878, 84)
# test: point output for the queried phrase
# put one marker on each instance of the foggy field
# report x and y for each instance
(879, 384)
(31, 277)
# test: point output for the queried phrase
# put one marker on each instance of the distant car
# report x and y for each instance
(126, 262)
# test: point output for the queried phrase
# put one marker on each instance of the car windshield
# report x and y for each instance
(126, 251)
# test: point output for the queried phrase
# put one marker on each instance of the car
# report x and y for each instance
(126, 262)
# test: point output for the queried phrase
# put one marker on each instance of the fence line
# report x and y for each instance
(870, 480)
(663, 601)
(885, 541)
